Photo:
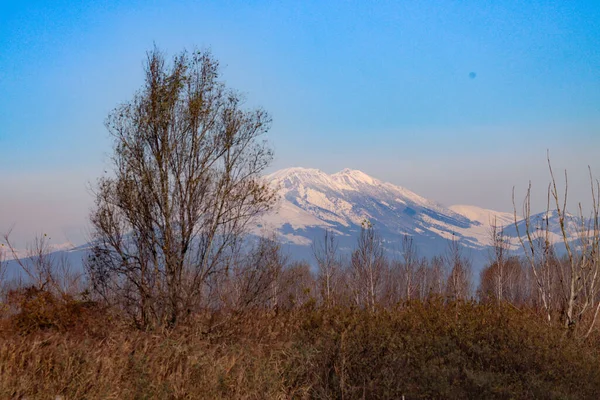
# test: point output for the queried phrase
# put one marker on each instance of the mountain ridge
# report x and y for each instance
(312, 200)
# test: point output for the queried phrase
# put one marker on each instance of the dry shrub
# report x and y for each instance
(131, 364)
(418, 350)
(34, 310)
(437, 350)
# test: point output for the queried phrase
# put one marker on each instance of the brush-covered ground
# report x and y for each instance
(54, 347)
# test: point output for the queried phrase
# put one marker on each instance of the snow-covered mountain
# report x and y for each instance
(65, 254)
(550, 221)
(484, 216)
(50, 248)
(312, 201)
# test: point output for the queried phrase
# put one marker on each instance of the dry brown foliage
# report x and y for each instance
(431, 349)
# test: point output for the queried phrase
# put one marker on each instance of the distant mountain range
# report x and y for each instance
(312, 201)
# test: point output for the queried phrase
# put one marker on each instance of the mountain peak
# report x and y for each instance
(312, 200)
(294, 172)
(350, 171)
(354, 176)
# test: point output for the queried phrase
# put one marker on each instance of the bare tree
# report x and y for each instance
(254, 281)
(187, 163)
(2, 262)
(423, 282)
(393, 288)
(437, 274)
(368, 262)
(297, 287)
(539, 251)
(406, 277)
(3, 267)
(346, 283)
(515, 282)
(583, 273)
(459, 279)
(569, 286)
(38, 264)
(499, 250)
(41, 268)
(325, 252)
(410, 261)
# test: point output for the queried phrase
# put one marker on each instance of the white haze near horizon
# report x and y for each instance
(55, 203)
(58, 202)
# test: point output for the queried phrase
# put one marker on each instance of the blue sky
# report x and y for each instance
(379, 86)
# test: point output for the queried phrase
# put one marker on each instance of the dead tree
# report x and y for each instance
(499, 252)
(40, 268)
(458, 286)
(297, 286)
(515, 282)
(325, 253)
(368, 262)
(570, 288)
(2, 273)
(255, 280)
(37, 265)
(437, 275)
(409, 264)
(538, 251)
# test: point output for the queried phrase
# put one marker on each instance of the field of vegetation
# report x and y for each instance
(419, 349)
(174, 303)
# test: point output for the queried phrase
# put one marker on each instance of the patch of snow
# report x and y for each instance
(484, 216)
(353, 177)
(296, 239)
(288, 213)
(444, 234)
(24, 253)
(342, 201)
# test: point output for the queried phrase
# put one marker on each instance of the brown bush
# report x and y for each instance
(432, 350)
(34, 309)
(417, 350)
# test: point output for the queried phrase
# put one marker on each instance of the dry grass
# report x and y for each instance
(420, 350)
(130, 364)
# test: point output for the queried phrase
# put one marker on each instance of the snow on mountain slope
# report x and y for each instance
(538, 224)
(50, 248)
(483, 219)
(349, 197)
(312, 200)
(484, 216)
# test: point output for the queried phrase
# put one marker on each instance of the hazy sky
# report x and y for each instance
(457, 101)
